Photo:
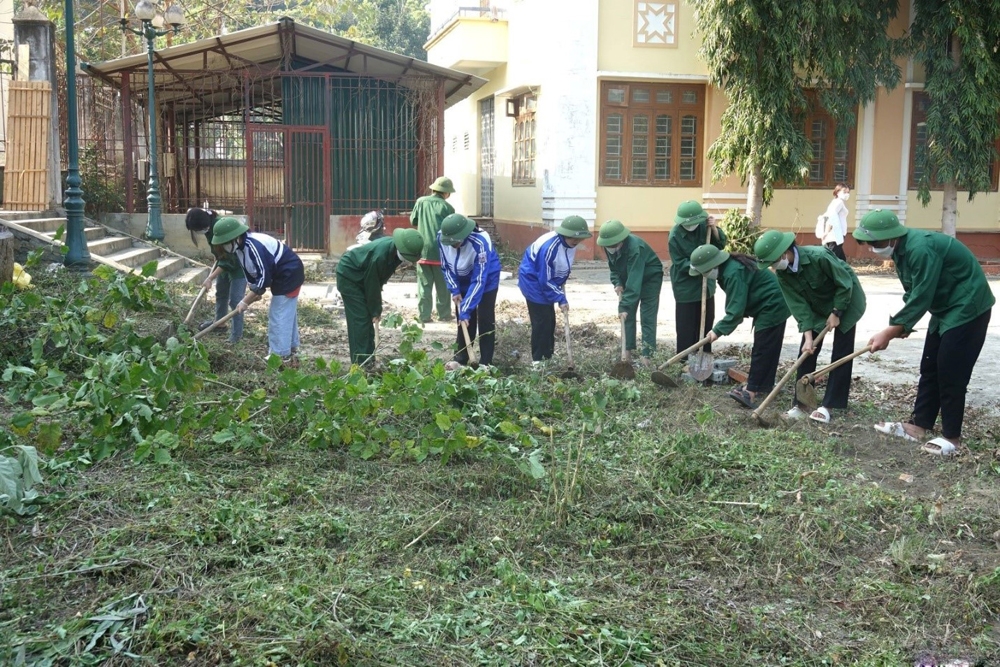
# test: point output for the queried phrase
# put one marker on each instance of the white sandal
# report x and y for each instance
(821, 415)
(794, 414)
(939, 446)
(896, 430)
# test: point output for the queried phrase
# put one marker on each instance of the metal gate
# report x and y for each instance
(288, 184)
(487, 157)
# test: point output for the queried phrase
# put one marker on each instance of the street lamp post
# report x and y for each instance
(145, 11)
(77, 254)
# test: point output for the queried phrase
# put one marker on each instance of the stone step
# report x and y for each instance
(168, 266)
(108, 245)
(90, 234)
(42, 224)
(191, 275)
(17, 216)
(135, 257)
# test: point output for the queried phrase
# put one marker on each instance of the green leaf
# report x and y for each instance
(162, 456)
(149, 268)
(21, 423)
(509, 428)
(442, 421)
(49, 437)
(223, 437)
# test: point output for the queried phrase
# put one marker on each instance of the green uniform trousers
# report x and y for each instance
(648, 307)
(430, 278)
(360, 329)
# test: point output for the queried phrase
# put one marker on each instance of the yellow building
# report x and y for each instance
(603, 108)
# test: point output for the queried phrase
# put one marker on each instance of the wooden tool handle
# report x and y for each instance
(798, 362)
(197, 300)
(624, 351)
(680, 355)
(704, 287)
(569, 348)
(468, 342)
(233, 313)
(811, 377)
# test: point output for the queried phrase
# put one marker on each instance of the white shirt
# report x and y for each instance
(836, 222)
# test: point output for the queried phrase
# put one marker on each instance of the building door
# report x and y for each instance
(487, 157)
(288, 184)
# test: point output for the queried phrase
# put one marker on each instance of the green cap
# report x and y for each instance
(613, 232)
(442, 184)
(226, 229)
(705, 258)
(455, 228)
(409, 243)
(879, 225)
(771, 245)
(574, 227)
(690, 213)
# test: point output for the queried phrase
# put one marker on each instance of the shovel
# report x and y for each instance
(757, 414)
(197, 300)
(570, 372)
(664, 380)
(623, 369)
(703, 364)
(219, 322)
(805, 388)
(473, 361)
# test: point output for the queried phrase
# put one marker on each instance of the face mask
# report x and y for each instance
(691, 227)
(713, 274)
(230, 247)
(405, 261)
(845, 195)
(884, 253)
(781, 264)
(613, 249)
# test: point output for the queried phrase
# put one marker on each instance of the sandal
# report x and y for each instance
(821, 415)
(794, 414)
(896, 430)
(939, 447)
(742, 396)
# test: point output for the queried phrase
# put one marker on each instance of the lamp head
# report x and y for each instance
(158, 21)
(174, 16)
(145, 10)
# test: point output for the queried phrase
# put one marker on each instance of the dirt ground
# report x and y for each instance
(595, 329)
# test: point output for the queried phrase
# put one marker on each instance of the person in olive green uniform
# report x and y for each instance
(750, 292)
(637, 274)
(690, 228)
(427, 215)
(821, 290)
(361, 273)
(940, 276)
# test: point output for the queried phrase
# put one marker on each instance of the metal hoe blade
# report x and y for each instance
(701, 366)
(805, 393)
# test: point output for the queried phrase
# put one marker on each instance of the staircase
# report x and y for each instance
(108, 246)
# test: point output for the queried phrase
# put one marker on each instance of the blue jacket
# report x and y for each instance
(472, 269)
(269, 263)
(545, 268)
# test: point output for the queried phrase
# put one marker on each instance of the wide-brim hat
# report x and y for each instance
(705, 258)
(690, 213)
(574, 227)
(612, 232)
(226, 229)
(409, 243)
(771, 246)
(443, 184)
(456, 228)
(878, 225)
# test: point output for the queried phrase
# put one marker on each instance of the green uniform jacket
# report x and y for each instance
(427, 214)
(227, 260)
(687, 288)
(750, 293)
(940, 276)
(634, 262)
(370, 266)
(823, 282)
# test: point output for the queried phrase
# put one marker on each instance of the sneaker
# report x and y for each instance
(291, 361)
(795, 414)
(224, 329)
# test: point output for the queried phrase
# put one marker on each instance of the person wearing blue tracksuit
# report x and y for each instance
(544, 270)
(268, 264)
(471, 268)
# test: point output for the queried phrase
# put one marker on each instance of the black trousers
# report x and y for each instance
(945, 369)
(687, 315)
(483, 319)
(764, 358)
(543, 330)
(838, 386)
(837, 249)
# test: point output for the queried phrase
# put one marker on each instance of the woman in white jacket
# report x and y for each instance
(836, 220)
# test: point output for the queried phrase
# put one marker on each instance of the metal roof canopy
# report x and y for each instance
(211, 72)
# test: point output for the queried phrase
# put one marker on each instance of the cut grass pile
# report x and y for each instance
(669, 530)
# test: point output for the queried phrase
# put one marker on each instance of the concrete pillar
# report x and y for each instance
(35, 60)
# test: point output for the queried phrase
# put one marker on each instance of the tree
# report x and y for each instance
(765, 54)
(958, 43)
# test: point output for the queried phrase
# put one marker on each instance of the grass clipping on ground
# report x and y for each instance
(595, 523)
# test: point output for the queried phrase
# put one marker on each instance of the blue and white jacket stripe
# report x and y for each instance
(472, 270)
(545, 267)
(269, 263)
